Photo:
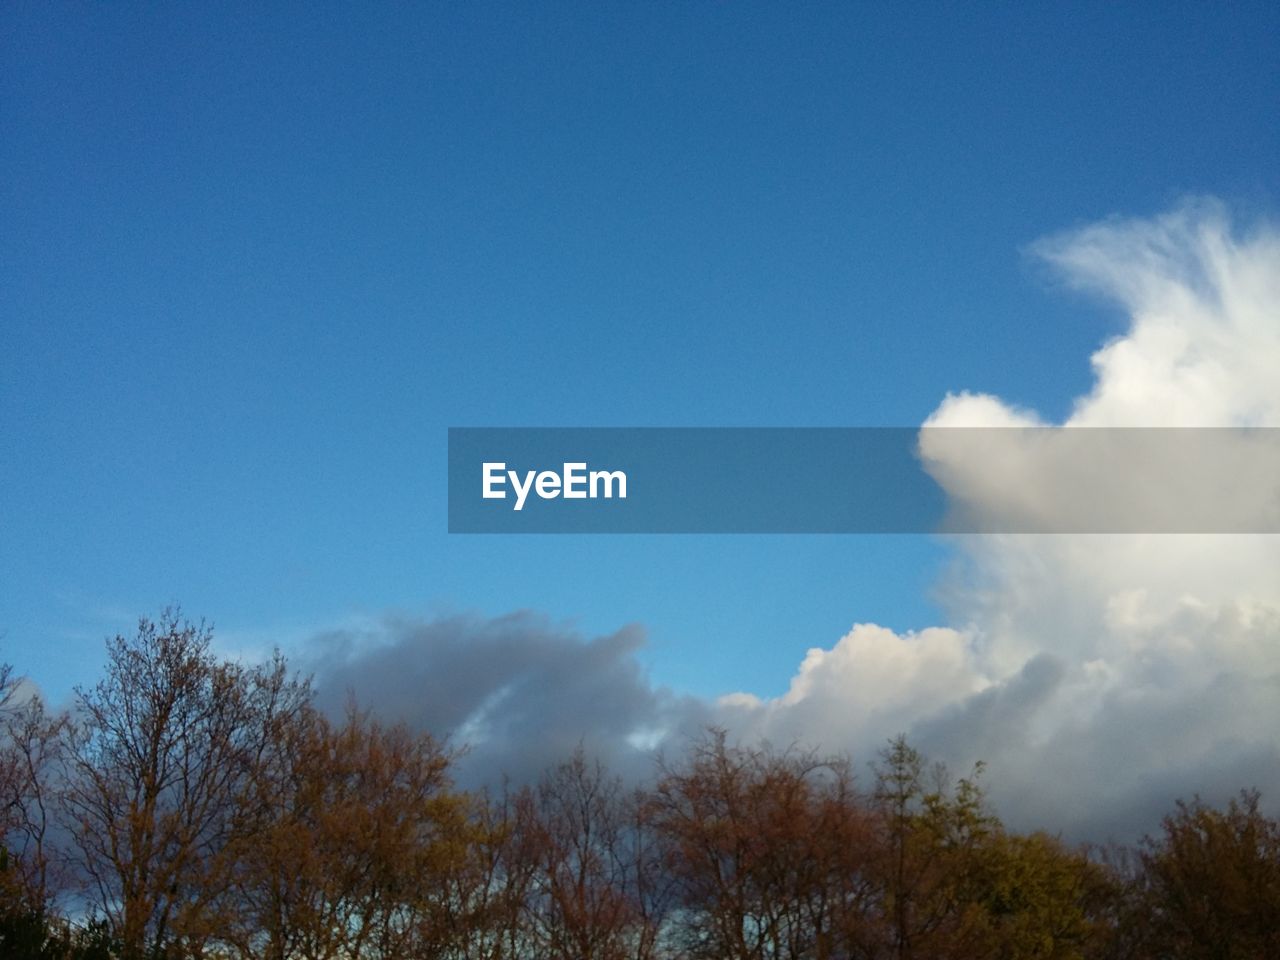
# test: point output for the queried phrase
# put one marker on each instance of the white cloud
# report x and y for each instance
(1204, 338)
(1101, 675)
(872, 679)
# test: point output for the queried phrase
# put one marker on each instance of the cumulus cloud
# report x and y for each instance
(1204, 332)
(1099, 676)
(872, 679)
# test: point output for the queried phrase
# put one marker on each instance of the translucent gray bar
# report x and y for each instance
(864, 480)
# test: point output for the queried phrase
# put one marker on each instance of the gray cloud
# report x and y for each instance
(519, 691)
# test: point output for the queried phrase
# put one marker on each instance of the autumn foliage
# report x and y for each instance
(189, 807)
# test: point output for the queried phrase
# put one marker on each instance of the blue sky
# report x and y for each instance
(255, 262)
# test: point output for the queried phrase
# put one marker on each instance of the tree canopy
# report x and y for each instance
(194, 807)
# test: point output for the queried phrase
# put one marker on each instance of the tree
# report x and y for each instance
(352, 861)
(1212, 882)
(484, 894)
(596, 891)
(31, 741)
(957, 884)
(931, 851)
(1041, 900)
(768, 851)
(161, 757)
